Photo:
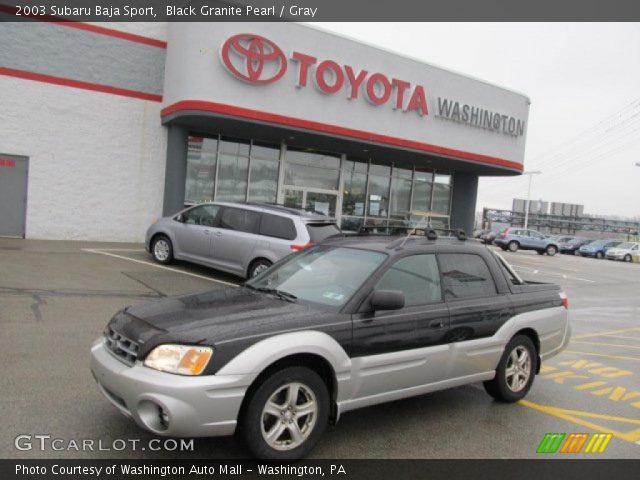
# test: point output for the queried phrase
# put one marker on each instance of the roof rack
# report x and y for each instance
(429, 233)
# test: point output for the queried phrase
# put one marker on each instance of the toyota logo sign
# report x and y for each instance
(258, 61)
(253, 58)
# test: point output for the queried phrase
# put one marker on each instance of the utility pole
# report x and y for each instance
(526, 207)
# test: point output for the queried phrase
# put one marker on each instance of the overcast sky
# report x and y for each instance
(583, 80)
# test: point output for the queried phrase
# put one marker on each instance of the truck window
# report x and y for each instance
(513, 277)
(465, 276)
(416, 276)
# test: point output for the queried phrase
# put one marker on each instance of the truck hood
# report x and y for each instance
(209, 316)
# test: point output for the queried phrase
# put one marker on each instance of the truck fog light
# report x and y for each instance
(153, 416)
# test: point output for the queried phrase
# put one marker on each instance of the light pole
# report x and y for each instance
(526, 207)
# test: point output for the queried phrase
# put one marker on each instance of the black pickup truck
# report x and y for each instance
(352, 322)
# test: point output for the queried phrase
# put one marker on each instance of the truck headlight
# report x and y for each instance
(179, 359)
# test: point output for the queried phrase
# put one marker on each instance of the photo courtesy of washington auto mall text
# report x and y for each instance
(360, 240)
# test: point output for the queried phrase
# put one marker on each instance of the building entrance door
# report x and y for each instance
(312, 200)
(13, 195)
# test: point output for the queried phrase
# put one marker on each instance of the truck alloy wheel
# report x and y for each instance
(286, 415)
(515, 372)
(551, 250)
(513, 246)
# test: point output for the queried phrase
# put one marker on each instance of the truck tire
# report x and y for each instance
(551, 250)
(286, 414)
(515, 372)
(513, 246)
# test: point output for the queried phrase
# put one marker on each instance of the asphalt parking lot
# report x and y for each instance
(56, 297)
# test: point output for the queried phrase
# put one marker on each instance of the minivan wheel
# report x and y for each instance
(599, 255)
(551, 250)
(258, 266)
(627, 258)
(162, 249)
(515, 372)
(286, 415)
(513, 246)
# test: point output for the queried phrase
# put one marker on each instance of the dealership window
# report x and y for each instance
(422, 187)
(354, 188)
(441, 193)
(201, 169)
(378, 195)
(263, 175)
(233, 168)
(371, 192)
(310, 169)
(401, 193)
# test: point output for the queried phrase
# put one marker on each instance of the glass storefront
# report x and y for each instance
(356, 191)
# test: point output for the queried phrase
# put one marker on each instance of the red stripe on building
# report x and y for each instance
(110, 32)
(7, 162)
(196, 105)
(67, 82)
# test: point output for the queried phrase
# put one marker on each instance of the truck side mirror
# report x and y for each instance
(387, 300)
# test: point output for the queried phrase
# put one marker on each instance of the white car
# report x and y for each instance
(628, 251)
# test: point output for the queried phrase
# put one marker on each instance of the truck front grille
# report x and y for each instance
(122, 347)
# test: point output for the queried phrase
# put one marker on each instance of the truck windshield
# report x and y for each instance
(323, 274)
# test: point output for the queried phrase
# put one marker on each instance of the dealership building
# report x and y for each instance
(105, 127)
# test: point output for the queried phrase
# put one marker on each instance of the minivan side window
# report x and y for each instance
(204, 215)
(277, 226)
(240, 220)
(416, 276)
(465, 276)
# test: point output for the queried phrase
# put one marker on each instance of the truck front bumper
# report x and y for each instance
(168, 404)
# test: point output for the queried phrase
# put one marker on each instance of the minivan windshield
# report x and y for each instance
(322, 274)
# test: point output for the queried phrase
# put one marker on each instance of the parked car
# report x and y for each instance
(352, 322)
(513, 239)
(560, 238)
(625, 251)
(597, 248)
(240, 238)
(572, 246)
(489, 237)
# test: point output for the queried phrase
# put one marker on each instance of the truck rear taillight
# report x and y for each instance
(296, 247)
(504, 233)
(564, 300)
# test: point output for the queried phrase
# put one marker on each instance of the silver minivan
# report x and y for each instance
(239, 238)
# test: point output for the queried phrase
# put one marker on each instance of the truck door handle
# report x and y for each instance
(217, 233)
(206, 232)
(436, 324)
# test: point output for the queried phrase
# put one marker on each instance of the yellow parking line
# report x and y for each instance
(574, 417)
(605, 333)
(605, 344)
(623, 337)
(616, 357)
